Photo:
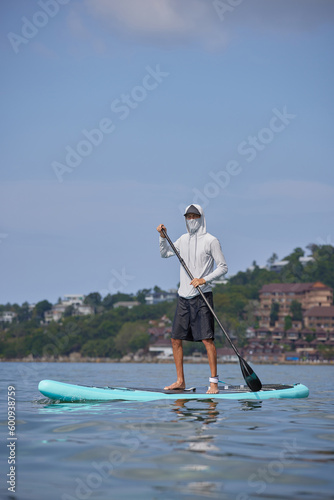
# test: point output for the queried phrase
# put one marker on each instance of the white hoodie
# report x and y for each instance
(199, 250)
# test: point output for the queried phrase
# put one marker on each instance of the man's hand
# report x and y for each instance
(197, 282)
(159, 228)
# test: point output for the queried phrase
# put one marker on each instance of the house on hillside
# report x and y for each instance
(8, 316)
(278, 266)
(157, 297)
(319, 317)
(75, 301)
(309, 295)
(162, 349)
(54, 314)
(226, 355)
(129, 304)
(160, 328)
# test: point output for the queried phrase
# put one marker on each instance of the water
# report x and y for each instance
(168, 450)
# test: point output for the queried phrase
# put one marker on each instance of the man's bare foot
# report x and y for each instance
(175, 386)
(213, 389)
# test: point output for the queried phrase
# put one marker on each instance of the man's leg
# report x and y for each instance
(178, 359)
(212, 357)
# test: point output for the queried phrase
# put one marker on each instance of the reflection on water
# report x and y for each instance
(210, 411)
(250, 405)
(50, 406)
(182, 407)
(204, 413)
(186, 408)
(55, 407)
(205, 489)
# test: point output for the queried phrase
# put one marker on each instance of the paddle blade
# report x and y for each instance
(251, 379)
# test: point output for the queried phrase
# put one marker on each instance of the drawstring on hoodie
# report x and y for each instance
(192, 237)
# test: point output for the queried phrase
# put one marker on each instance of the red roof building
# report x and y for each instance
(320, 317)
(309, 295)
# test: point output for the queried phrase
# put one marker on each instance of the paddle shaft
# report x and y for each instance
(200, 291)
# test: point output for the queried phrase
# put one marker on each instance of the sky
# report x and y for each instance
(118, 114)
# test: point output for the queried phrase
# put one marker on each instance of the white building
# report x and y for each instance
(84, 310)
(279, 265)
(128, 304)
(163, 348)
(73, 300)
(8, 316)
(156, 297)
(219, 281)
(54, 314)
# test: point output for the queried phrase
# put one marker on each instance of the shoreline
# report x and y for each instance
(189, 360)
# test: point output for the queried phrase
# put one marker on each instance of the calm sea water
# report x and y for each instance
(197, 449)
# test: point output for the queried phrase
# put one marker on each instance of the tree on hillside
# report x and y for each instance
(298, 252)
(287, 323)
(250, 314)
(109, 300)
(131, 337)
(232, 303)
(322, 269)
(141, 294)
(103, 348)
(69, 311)
(312, 247)
(274, 313)
(41, 307)
(294, 270)
(272, 259)
(296, 310)
(256, 277)
(93, 300)
(24, 313)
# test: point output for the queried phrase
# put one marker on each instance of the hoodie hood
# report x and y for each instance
(202, 222)
(193, 237)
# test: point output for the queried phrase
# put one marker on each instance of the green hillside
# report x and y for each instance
(113, 332)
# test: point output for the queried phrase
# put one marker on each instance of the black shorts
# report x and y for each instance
(193, 319)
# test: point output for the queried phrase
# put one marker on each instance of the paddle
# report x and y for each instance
(251, 379)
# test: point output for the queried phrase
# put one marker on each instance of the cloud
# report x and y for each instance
(287, 16)
(146, 16)
(212, 23)
(163, 21)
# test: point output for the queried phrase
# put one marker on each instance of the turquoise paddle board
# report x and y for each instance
(59, 391)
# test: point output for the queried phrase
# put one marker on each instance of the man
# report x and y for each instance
(193, 320)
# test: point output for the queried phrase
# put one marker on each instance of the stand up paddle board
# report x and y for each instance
(62, 392)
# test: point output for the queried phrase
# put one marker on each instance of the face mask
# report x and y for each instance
(193, 225)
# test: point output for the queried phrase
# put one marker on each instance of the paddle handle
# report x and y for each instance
(200, 291)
